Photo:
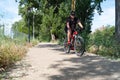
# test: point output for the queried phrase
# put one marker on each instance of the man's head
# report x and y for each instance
(72, 14)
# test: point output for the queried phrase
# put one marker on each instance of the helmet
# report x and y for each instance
(72, 13)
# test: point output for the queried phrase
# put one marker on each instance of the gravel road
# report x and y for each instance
(47, 61)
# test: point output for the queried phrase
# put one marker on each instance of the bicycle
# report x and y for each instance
(77, 44)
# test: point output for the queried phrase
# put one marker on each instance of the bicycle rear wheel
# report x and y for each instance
(79, 46)
(66, 46)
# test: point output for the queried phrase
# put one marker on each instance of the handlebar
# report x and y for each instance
(79, 30)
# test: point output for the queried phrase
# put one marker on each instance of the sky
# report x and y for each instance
(9, 10)
(107, 17)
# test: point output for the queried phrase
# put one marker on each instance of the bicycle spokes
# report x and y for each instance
(66, 47)
(79, 48)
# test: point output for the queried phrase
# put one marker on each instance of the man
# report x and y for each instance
(71, 25)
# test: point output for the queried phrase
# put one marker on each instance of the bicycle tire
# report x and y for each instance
(66, 46)
(79, 46)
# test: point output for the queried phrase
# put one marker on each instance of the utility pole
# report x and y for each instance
(33, 23)
(34, 12)
(28, 23)
(33, 26)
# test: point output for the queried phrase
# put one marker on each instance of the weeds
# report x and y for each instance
(10, 53)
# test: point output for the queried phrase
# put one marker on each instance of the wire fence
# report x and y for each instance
(19, 37)
(1, 33)
(15, 36)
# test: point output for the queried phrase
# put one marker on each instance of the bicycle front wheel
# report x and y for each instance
(79, 46)
(66, 46)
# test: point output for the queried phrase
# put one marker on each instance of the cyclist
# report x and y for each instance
(71, 22)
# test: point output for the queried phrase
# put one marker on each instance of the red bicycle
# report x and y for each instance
(77, 44)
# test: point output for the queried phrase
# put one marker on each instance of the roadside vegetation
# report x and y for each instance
(13, 49)
(49, 22)
(102, 42)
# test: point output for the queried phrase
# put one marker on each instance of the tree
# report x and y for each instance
(51, 15)
(20, 27)
(53, 21)
(85, 11)
(117, 22)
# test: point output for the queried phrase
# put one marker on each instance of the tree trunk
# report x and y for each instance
(53, 37)
(117, 22)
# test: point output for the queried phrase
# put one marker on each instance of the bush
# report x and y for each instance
(11, 50)
(34, 42)
(105, 41)
(93, 49)
(10, 53)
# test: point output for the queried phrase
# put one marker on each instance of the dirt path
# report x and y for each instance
(48, 62)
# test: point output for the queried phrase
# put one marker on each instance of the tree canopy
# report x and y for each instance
(50, 16)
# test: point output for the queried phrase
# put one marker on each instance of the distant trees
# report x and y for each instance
(50, 16)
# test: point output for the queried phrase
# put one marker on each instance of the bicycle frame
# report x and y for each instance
(77, 44)
(73, 36)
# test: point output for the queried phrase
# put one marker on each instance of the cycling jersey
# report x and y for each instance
(72, 23)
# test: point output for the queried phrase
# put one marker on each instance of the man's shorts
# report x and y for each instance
(66, 29)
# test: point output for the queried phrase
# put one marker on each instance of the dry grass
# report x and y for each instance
(10, 53)
(34, 42)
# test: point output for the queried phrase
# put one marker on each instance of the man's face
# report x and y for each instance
(72, 16)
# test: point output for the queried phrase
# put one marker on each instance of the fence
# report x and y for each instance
(19, 37)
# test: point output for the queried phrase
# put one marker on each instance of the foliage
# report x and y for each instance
(13, 50)
(105, 41)
(50, 16)
(34, 42)
(20, 27)
(85, 11)
(51, 22)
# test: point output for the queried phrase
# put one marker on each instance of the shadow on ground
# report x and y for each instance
(85, 68)
(52, 46)
(88, 68)
(49, 45)
(19, 69)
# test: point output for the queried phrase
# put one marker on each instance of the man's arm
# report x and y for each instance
(68, 26)
(79, 23)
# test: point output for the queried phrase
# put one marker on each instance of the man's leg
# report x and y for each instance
(69, 35)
